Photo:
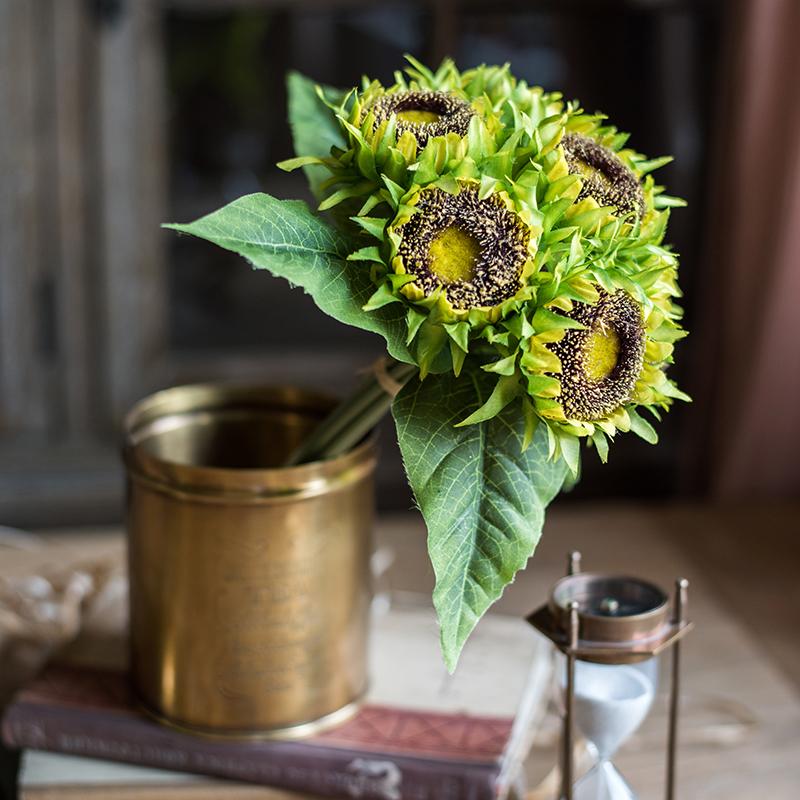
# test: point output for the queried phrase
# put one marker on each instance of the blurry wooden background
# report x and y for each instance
(120, 114)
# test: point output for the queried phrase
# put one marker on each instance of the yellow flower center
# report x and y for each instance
(601, 352)
(418, 115)
(453, 255)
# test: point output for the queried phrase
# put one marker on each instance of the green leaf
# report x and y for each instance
(396, 191)
(601, 445)
(571, 452)
(291, 164)
(504, 366)
(369, 254)
(587, 221)
(482, 497)
(531, 423)
(652, 164)
(414, 319)
(505, 390)
(544, 386)
(666, 201)
(383, 296)
(546, 320)
(459, 333)
(458, 356)
(430, 342)
(315, 128)
(284, 237)
(375, 226)
(671, 390)
(345, 193)
(641, 427)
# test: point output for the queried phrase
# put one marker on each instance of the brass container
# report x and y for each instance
(249, 582)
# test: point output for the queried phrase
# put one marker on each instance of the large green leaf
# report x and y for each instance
(315, 128)
(284, 237)
(483, 499)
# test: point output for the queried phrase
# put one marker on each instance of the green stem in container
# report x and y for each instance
(354, 417)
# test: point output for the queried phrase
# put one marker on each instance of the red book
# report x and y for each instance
(376, 754)
(383, 753)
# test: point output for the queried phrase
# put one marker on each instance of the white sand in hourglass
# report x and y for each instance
(610, 704)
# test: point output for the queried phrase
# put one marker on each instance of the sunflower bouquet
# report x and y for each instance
(509, 248)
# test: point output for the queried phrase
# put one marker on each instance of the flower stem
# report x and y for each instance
(353, 418)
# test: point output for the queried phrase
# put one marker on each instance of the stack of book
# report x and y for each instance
(421, 734)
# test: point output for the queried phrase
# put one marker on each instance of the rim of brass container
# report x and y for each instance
(170, 408)
(299, 730)
(642, 626)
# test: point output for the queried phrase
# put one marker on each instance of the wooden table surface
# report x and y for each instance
(729, 674)
(741, 707)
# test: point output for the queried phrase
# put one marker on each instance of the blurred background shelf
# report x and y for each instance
(127, 114)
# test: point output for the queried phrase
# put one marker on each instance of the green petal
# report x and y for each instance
(505, 390)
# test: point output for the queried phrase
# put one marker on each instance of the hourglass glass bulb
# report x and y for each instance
(610, 703)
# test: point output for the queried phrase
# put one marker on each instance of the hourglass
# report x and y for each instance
(610, 704)
(610, 630)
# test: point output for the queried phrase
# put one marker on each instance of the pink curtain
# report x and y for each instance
(753, 298)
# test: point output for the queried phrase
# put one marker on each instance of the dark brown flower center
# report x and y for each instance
(604, 176)
(424, 114)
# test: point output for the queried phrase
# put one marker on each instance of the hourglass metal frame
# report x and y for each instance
(616, 640)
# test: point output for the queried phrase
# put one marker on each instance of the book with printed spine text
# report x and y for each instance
(420, 735)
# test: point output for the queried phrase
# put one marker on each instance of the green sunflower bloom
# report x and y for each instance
(601, 362)
(589, 366)
(518, 231)
(474, 251)
(612, 174)
(486, 226)
(458, 260)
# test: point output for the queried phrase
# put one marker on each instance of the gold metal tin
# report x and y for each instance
(249, 582)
